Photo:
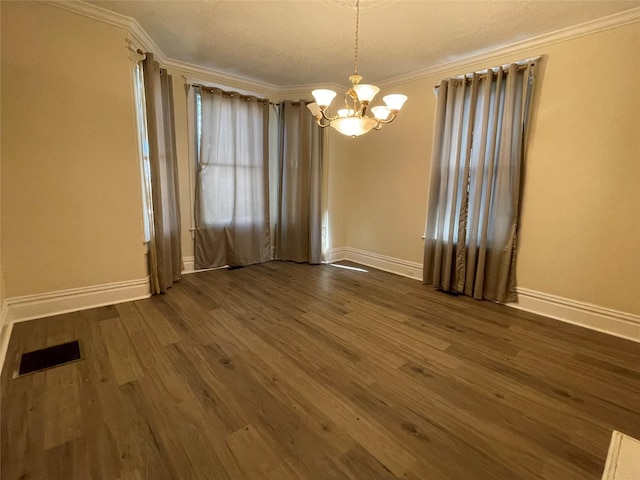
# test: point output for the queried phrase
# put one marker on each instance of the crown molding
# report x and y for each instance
(594, 26)
(144, 41)
(196, 74)
(220, 79)
(208, 74)
(140, 36)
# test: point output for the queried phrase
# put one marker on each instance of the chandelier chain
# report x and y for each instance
(355, 60)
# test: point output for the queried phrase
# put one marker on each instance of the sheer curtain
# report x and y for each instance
(232, 184)
(165, 257)
(299, 223)
(481, 125)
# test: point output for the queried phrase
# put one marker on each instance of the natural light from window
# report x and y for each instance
(143, 145)
(347, 267)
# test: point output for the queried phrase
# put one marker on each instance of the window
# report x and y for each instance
(143, 150)
(232, 177)
(250, 204)
(470, 238)
(232, 165)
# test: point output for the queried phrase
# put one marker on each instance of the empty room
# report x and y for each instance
(320, 239)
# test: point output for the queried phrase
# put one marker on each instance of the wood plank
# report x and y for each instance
(122, 354)
(255, 456)
(290, 371)
(62, 405)
(357, 424)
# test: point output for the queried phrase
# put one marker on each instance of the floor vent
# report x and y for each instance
(49, 357)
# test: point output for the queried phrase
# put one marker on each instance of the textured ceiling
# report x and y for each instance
(288, 43)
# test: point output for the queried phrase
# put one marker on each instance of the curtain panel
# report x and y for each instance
(478, 149)
(232, 181)
(299, 209)
(165, 252)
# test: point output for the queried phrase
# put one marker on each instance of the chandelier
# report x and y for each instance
(353, 119)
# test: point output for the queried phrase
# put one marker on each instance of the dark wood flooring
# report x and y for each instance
(283, 371)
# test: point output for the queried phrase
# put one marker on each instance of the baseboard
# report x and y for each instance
(188, 264)
(606, 320)
(335, 255)
(62, 301)
(398, 266)
(5, 333)
(4, 313)
(623, 459)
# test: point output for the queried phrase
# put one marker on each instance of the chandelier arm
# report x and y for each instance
(393, 117)
(320, 124)
(329, 119)
(352, 107)
(354, 98)
(355, 108)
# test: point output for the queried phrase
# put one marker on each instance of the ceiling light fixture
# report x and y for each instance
(353, 120)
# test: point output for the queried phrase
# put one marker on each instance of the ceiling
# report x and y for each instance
(286, 43)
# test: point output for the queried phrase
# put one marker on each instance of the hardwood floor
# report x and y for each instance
(283, 371)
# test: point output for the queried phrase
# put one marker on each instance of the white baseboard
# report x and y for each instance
(5, 333)
(623, 459)
(29, 307)
(606, 320)
(4, 313)
(398, 266)
(188, 264)
(335, 255)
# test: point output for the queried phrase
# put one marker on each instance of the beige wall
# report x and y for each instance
(580, 226)
(338, 157)
(71, 204)
(388, 171)
(581, 206)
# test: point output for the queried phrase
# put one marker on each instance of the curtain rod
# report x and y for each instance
(230, 94)
(522, 65)
(246, 97)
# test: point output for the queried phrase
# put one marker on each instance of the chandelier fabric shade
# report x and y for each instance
(353, 119)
